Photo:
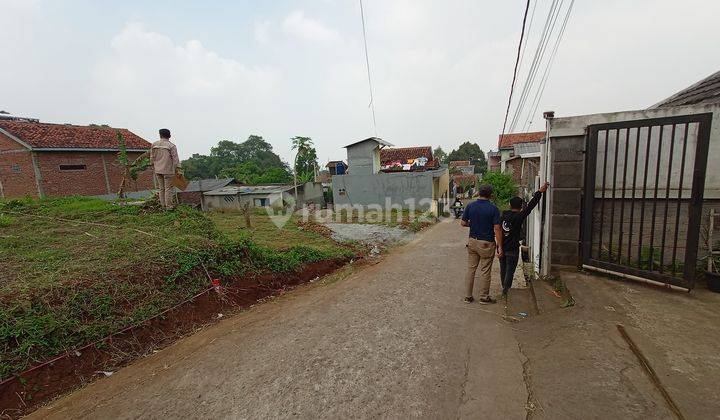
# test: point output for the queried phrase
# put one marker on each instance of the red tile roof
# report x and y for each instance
(507, 140)
(405, 153)
(52, 136)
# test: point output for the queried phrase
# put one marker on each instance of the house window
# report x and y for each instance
(15, 168)
(73, 167)
(260, 202)
(229, 198)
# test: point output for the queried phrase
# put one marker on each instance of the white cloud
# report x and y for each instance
(299, 26)
(441, 71)
(146, 80)
(262, 31)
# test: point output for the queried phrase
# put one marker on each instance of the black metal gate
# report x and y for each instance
(643, 195)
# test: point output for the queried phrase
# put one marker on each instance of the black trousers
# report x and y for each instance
(508, 264)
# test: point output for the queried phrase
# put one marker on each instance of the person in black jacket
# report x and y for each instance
(511, 223)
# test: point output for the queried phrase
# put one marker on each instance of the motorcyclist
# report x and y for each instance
(457, 207)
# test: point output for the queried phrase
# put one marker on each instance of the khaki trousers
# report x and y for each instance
(480, 255)
(165, 195)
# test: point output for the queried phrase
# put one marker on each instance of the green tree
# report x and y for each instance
(440, 155)
(503, 185)
(470, 152)
(250, 173)
(306, 158)
(227, 156)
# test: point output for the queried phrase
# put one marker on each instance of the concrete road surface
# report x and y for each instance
(393, 340)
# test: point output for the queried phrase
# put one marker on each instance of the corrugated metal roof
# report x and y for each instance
(706, 91)
(375, 139)
(525, 148)
(208, 184)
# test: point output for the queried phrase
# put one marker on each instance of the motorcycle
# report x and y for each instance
(458, 209)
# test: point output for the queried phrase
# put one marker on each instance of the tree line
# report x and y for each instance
(253, 162)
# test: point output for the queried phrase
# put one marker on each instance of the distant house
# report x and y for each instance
(461, 167)
(336, 167)
(493, 159)
(524, 166)
(364, 156)
(519, 155)
(41, 159)
(704, 92)
(235, 197)
(366, 184)
(507, 142)
(192, 195)
(324, 177)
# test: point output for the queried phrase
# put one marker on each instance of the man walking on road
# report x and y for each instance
(165, 161)
(485, 240)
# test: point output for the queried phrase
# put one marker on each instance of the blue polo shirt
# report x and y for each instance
(483, 216)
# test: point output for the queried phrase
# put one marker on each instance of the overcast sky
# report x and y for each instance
(212, 70)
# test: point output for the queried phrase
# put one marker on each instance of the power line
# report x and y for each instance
(540, 51)
(545, 36)
(538, 95)
(517, 62)
(367, 65)
(527, 39)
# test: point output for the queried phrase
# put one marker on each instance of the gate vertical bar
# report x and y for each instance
(667, 197)
(602, 196)
(698, 187)
(654, 211)
(642, 203)
(632, 201)
(679, 201)
(622, 196)
(614, 182)
(588, 215)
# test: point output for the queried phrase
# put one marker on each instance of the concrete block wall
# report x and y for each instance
(567, 169)
(567, 177)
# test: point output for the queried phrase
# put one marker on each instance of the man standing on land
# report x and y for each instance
(512, 221)
(165, 161)
(485, 240)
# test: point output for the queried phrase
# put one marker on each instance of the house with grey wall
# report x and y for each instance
(365, 185)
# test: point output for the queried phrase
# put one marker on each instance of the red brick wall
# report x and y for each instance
(115, 172)
(193, 198)
(90, 181)
(17, 176)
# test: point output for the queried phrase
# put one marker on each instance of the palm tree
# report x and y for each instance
(302, 145)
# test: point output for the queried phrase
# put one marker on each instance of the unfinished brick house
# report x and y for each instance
(41, 159)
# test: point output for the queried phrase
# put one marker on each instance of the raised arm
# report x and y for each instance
(535, 200)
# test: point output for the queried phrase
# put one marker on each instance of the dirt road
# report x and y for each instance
(393, 340)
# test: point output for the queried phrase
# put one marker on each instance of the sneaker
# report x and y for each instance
(487, 300)
(469, 299)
